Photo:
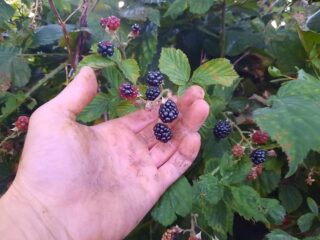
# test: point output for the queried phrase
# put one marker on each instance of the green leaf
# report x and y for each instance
(95, 61)
(267, 182)
(51, 33)
(274, 210)
(13, 68)
(293, 117)
(218, 217)
(305, 221)
(130, 69)
(177, 200)
(309, 39)
(278, 234)
(274, 72)
(125, 107)
(200, 6)
(217, 71)
(174, 63)
(313, 206)
(114, 77)
(247, 202)
(95, 109)
(207, 190)
(290, 197)
(176, 8)
(154, 16)
(6, 12)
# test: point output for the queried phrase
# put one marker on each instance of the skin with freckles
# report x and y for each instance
(80, 182)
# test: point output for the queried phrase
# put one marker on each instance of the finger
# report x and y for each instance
(161, 152)
(193, 119)
(180, 161)
(191, 94)
(78, 94)
(139, 120)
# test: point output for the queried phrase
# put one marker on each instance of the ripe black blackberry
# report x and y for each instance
(162, 132)
(222, 129)
(168, 111)
(155, 78)
(105, 48)
(152, 93)
(128, 91)
(135, 28)
(258, 156)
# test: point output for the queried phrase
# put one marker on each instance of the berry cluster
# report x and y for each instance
(255, 171)
(128, 91)
(22, 123)
(112, 23)
(105, 48)
(222, 129)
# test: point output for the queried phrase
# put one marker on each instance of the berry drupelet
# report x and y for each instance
(155, 78)
(152, 93)
(112, 23)
(258, 156)
(168, 111)
(162, 132)
(105, 48)
(222, 129)
(128, 91)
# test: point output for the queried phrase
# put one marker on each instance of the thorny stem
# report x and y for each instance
(243, 137)
(222, 32)
(63, 28)
(42, 81)
(74, 12)
(10, 136)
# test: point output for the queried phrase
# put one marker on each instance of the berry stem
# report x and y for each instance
(163, 92)
(243, 137)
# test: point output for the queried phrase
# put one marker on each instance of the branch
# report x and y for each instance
(42, 81)
(223, 32)
(63, 28)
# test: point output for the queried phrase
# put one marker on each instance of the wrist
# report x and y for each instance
(23, 217)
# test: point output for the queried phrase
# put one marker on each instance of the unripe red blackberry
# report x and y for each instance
(128, 91)
(112, 23)
(238, 150)
(22, 123)
(260, 137)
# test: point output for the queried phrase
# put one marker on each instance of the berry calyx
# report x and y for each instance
(152, 93)
(222, 129)
(22, 123)
(128, 91)
(258, 156)
(260, 137)
(168, 111)
(112, 23)
(238, 150)
(105, 48)
(135, 29)
(155, 78)
(162, 132)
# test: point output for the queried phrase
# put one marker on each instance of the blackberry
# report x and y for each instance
(128, 91)
(105, 48)
(162, 132)
(112, 22)
(135, 28)
(168, 111)
(22, 123)
(155, 78)
(152, 93)
(222, 129)
(258, 156)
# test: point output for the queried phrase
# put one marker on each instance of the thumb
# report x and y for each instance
(78, 93)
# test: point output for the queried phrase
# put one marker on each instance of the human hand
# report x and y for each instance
(98, 182)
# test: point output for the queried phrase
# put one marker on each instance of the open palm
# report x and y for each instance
(98, 182)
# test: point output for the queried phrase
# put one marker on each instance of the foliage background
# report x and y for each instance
(274, 47)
